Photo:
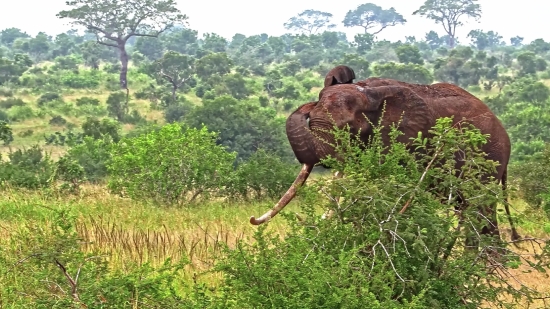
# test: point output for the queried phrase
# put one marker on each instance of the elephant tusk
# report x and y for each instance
(287, 197)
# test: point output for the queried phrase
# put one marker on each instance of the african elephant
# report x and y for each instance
(348, 103)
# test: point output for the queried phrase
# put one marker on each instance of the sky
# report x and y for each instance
(526, 18)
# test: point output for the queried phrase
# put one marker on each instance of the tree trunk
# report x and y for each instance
(124, 65)
(451, 41)
(174, 89)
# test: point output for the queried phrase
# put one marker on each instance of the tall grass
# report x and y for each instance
(129, 233)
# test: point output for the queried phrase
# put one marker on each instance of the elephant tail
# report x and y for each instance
(515, 235)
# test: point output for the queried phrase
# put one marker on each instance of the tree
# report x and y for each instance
(449, 14)
(433, 40)
(212, 67)
(370, 15)
(114, 22)
(309, 22)
(530, 64)
(181, 40)
(243, 127)
(9, 35)
(214, 43)
(11, 70)
(363, 42)
(175, 68)
(516, 41)
(408, 53)
(410, 73)
(483, 40)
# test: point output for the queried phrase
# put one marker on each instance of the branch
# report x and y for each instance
(420, 181)
(108, 35)
(168, 77)
(72, 282)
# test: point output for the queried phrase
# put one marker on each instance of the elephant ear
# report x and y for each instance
(340, 75)
(400, 101)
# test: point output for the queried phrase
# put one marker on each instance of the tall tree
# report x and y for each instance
(370, 15)
(310, 22)
(449, 14)
(114, 22)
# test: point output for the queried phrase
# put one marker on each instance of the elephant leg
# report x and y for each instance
(330, 212)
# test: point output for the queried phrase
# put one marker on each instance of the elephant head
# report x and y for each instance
(309, 127)
(340, 75)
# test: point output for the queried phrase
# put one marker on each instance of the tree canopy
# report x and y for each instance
(371, 16)
(449, 13)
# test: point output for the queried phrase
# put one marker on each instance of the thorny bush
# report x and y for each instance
(369, 254)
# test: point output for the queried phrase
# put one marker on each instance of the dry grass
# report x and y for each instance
(127, 231)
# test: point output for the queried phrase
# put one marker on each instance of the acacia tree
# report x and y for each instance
(449, 14)
(309, 21)
(114, 22)
(370, 15)
(175, 68)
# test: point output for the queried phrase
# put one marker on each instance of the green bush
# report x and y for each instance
(96, 128)
(91, 111)
(6, 133)
(534, 178)
(57, 121)
(244, 126)
(393, 242)
(11, 102)
(87, 101)
(27, 168)
(263, 175)
(5, 92)
(4, 116)
(172, 165)
(82, 80)
(48, 97)
(92, 155)
(176, 112)
(20, 113)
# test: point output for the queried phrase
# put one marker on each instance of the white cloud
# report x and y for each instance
(526, 18)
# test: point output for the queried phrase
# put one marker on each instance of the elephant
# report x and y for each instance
(419, 106)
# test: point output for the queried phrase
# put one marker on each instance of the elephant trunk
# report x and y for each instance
(308, 150)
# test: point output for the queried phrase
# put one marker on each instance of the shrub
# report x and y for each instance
(83, 80)
(117, 106)
(48, 97)
(92, 155)
(6, 133)
(87, 101)
(27, 168)
(11, 102)
(96, 128)
(264, 174)
(57, 121)
(534, 178)
(172, 165)
(4, 116)
(20, 113)
(175, 112)
(5, 92)
(26, 133)
(134, 118)
(91, 111)
(392, 243)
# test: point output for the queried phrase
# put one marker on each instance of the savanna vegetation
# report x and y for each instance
(134, 151)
